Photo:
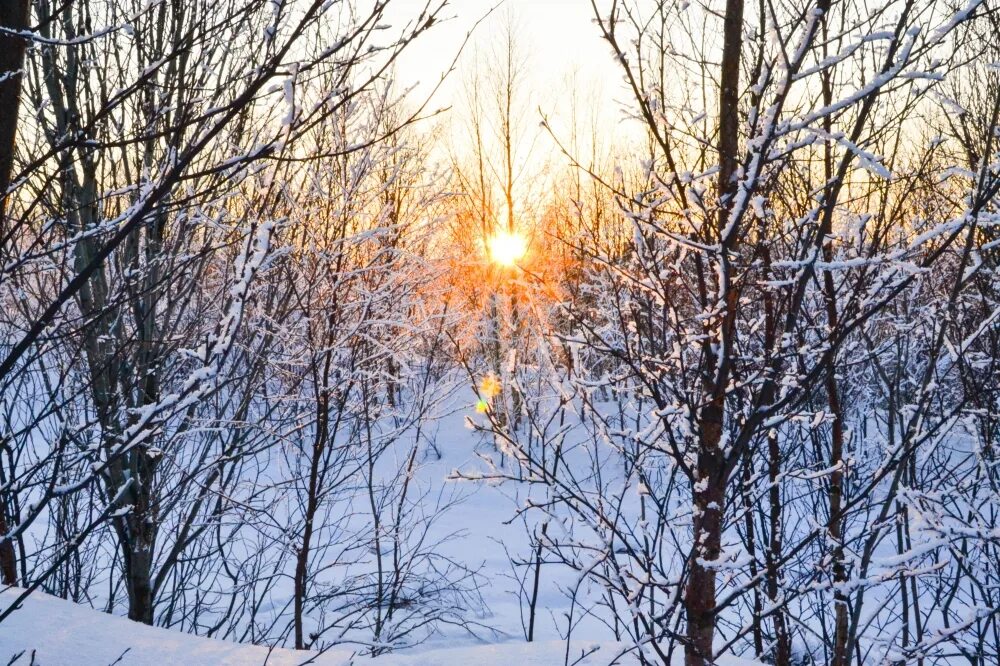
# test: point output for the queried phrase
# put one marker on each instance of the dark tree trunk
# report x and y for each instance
(312, 506)
(712, 474)
(709, 503)
(140, 588)
(841, 657)
(13, 15)
(783, 643)
(751, 544)
(8, 563)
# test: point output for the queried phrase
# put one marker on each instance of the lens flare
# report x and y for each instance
(507, 248)
(490, 387)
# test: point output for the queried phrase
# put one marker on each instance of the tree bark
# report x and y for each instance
(8, 562)
(312, 506)
(13, 15)
(783, 643)
(835, 525)
(711, 474)
(709, 502)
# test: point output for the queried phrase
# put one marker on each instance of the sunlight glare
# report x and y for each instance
(507, 248)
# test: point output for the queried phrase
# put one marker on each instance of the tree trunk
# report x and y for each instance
(140, 565)
(8, 562)
(13, 15)
(533, 604)
(783, 644)
(751, 544)
(835, 525)
(711, 474)
(312, 506)
(709, 503)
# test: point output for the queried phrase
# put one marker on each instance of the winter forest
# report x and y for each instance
(539, 333)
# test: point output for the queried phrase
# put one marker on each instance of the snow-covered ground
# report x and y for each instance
(48, 631)
(60, 632)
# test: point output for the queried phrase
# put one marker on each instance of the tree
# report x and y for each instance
(146, 207)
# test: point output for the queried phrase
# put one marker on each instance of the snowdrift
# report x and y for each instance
(48, 631)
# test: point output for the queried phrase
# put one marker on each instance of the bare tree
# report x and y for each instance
(145, 208)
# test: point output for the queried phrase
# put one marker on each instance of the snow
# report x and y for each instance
(61, 632)
(564, 494)
(484, 519)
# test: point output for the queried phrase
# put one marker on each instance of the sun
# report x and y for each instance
(507, 247)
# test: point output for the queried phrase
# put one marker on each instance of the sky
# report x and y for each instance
(558, 37)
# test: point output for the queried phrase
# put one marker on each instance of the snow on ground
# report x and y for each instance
(491, 536)
(60, 632)
(53, 632)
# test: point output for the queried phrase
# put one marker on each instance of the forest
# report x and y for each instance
(692, 362)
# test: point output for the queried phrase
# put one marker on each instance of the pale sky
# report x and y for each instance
(568, 69)
(558, 37)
